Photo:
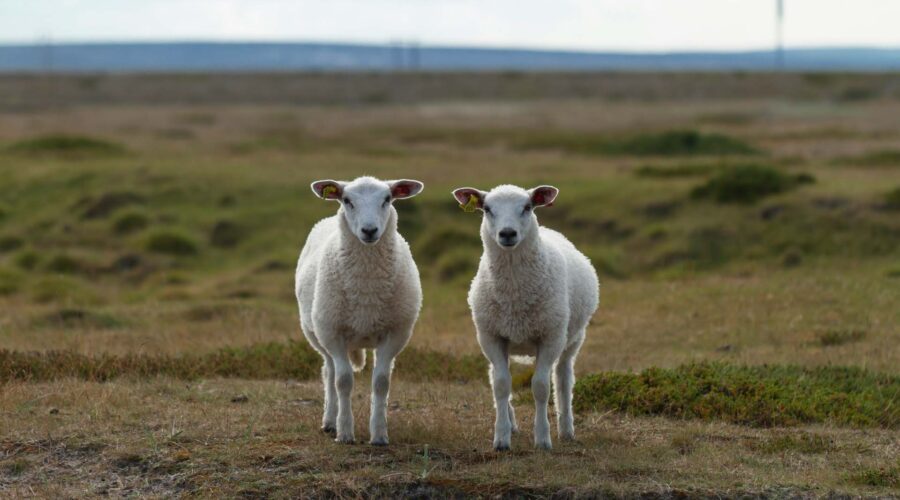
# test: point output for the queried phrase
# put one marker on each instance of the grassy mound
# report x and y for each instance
(130, 222)
(273, 360)
(750, 395)
(748, 184)
(66, 145)
(171, 243)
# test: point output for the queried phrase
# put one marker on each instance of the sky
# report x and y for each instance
(616, 25)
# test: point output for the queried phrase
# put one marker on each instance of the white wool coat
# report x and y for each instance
(361, 293)
(545, 287)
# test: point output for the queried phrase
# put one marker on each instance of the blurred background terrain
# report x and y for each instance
(739, 198)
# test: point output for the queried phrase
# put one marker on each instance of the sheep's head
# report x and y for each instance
(366, 202)
(508, 210)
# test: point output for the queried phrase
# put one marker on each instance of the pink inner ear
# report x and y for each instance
(401, 190)
(463, 195)
(540, 197)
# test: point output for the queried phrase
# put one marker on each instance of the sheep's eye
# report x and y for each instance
(526, 209)
(348, 202)
(387, 199)
(487, 210)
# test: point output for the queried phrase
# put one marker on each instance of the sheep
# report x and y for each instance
(358, 288)
(533, 295)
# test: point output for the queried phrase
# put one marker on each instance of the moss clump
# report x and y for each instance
(171, 242)
(66, 145)
(748, 184)
(130, 222)
(749, 395)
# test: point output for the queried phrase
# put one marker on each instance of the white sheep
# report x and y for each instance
(358, 288)
(533, 295)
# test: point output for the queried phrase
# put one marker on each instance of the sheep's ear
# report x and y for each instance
(543, 196)
(328, 189)
(469, 198)
(405, 188)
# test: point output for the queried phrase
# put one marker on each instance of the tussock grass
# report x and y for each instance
(66, 145)
(840, 337)
(130, 222)
(748, 184)
(749, 395)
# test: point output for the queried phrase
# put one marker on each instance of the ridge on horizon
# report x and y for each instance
(206, 55)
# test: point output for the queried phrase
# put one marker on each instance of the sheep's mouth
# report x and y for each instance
(508, 243)
(369, 241)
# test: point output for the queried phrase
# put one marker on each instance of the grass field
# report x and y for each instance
(748, 339)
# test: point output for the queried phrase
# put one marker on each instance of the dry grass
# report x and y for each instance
(163, 437)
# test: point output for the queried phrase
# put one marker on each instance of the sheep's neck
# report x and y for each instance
(527, 255)
(372, 258)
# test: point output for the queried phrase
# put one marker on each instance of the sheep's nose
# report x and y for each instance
(508, 236)
(370, 232)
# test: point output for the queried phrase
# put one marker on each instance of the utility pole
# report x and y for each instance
(779, 35)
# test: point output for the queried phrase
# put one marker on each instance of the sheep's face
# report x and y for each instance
(366, 202)
(508, 210)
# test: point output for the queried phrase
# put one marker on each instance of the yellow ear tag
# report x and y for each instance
(328, 191)
(471, 205)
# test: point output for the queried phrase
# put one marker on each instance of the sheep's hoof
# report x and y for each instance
(543, 445)
(501, 447)
(567, 436)
(379, 442)
(344, 439)
(329, 429)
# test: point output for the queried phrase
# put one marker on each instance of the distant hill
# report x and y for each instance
(161, 57)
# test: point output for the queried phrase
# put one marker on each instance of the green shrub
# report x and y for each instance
(225, 234)
(674, 171)
(892, 199)
(671, 143)
(684, 143)
(9, 243)
(27, 259)
(64, 264)
(79, 318)
(109, 203)
(750, 395)
(456, 263)
(885, 476)
(66, 145)
(433, 243)
(171, 242)
(10, 281)
(130, 222)
(748, 184)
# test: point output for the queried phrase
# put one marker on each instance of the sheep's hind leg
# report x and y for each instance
(381, 386)
(548, 353)
(563, 380)
(513, 426)
(497, 352)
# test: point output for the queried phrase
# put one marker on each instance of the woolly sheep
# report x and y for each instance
(357, 288)
(533, 295)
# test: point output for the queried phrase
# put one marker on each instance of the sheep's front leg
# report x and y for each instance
(497, 352)
(381, 386)
(331, 403)
(548, 353)
(343, 384)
